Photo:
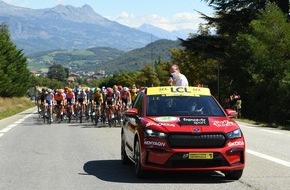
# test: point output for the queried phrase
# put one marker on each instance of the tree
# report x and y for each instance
(14, 74)
(234, 16)
(266, 65)
(147, 77)
(58, 72)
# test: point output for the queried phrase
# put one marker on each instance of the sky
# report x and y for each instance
(166, 14)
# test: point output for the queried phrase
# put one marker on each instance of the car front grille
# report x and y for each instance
(196, 140)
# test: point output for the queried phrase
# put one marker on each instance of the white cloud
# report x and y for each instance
(185, 20)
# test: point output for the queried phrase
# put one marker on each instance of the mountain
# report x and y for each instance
(140, 57)
(68, 27)
(164, 34)
(103, 58)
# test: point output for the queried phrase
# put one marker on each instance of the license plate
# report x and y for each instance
(200, 155)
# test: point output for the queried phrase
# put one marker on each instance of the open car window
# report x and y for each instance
(158, 105)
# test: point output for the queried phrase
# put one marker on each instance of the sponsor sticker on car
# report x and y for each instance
(200, 155)
(194, 121)
(166, 119)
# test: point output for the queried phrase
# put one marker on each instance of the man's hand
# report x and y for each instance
(170, 81)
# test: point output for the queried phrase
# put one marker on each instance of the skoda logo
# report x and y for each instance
(196, 130)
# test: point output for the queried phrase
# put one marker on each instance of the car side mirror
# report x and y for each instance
(231, 113)
(131, 111)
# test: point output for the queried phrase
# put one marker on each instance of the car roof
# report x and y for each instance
(178, 91)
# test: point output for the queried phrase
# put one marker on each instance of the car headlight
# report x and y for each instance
(152, 133)
(235, 134)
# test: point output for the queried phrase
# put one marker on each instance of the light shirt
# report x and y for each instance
(180, 80)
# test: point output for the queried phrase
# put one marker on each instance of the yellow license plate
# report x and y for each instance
(200, 155)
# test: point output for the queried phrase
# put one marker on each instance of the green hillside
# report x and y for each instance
(104, 58)
(138, 58)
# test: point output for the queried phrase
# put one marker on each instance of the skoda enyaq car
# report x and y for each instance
(174, 128)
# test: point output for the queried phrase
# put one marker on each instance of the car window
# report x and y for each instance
(159, 105)
(138, 103)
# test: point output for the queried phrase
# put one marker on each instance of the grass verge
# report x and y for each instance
(12, 106)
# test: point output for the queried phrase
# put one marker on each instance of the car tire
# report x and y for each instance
(125, 159)
(234, 175)
(140, 173)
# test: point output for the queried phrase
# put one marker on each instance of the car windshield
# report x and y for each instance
(158, 105)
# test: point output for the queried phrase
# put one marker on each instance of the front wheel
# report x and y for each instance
(125, 159)
(233, 175)
(140, 173)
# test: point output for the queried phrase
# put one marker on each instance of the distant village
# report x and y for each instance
(73, 76)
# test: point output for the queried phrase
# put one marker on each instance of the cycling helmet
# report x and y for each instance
(120, 87)
(97, 89)
(110, 91)
(69, 90)
(126, 89)
(92, 90)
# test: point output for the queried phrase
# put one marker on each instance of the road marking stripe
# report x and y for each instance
(5, 130)
(271, 131)
(267, 157)
(9, 127)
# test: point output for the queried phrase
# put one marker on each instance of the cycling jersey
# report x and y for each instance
(98, 97)
(117, 96)
(70, 97)
(125, 95)
(109, 99)
(59, 98)
(49, 98)
(82, 96)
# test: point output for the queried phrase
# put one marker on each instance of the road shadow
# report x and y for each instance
(115, 171)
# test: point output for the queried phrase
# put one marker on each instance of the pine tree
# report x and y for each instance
(14, 74)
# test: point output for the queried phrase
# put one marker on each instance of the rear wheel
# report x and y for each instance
(233, 175)
(140, 173)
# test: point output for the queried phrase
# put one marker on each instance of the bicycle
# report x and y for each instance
(68, 112)
(48, 115)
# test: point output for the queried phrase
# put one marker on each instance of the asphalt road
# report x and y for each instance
(77, 156)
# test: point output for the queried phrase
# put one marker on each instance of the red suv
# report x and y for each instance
(181, 129)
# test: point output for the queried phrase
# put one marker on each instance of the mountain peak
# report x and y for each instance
(84, 14)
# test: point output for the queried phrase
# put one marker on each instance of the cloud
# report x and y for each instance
(184, 20)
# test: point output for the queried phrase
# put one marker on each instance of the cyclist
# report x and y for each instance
(49, 98)
(117, 102)
(81, 98)
(41, 100)
(109, 105)
(89, 92)
(126, 98)
(98, 101)
(70, 101)
(59, 98)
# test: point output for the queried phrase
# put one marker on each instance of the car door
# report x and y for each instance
(133, 122)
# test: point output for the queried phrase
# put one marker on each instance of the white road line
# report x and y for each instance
(5, 130)
(9, 127)
(271, 131)
(270, 158)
